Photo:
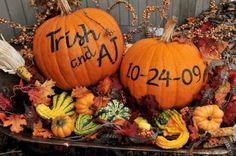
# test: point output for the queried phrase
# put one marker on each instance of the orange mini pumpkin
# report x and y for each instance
(171, 71)
(79, 48)
(62, 126)
(208, 117)
(83, 104)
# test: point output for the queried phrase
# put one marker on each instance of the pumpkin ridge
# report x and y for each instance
(82, 52)
(175, 69)
(133, 56)
(150, 64)
(40, 54)
(65, 60)
(55, 62)
(176, 72)
(82, 49)
(141, 57)
(36, 53)
(67, 50)
(113, 20)
(156, 52)
(46, 63)
(162, 52)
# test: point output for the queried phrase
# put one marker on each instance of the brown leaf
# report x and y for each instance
(221, 93)
(80, 92)
(104, 87)
(100, 102)
(39, 131)
(16, 122)
(221, 46)
(42, 92)
(211, 49)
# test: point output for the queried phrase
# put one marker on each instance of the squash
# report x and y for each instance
(171, 71)
(63, 105)
(142, 123)
(78, 48)
(85, 125)
(83, 104)
(114, 110)
(62, 126)
(208, 117)
(174, 126)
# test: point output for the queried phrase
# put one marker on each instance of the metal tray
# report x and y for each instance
(29, 139)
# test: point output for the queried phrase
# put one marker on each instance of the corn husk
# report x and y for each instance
(11, 61)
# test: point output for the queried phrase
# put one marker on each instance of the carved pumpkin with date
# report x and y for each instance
(78, 48)
(171, 71)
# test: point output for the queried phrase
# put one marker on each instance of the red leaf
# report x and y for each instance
(3, 117)
(193, 132)
(211, 49)
(230, 114)
(205, 27)
(232, 77)
(152, 105)
(116, 84)
(21, 84)
(128, 129)
(5, 103)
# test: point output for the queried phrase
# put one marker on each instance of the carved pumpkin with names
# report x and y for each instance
(75, 49)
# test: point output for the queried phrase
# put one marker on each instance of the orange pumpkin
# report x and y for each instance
(208, 117)
(79, 48)
(171, 71)
(62, 126)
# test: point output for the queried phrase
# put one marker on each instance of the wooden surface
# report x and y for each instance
(21, 11)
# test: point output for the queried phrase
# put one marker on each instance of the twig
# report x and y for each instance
(11, 152)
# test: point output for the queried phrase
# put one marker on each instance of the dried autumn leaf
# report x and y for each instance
(100, 102)
(16, 122)
(211, 49)
(232, 77)
(208, 50)
(3, 117)
(222, 92)
(221, 46)
(42, 92)
(80, 92)
(151, 104)
(128, 129)
(104, 87)
(230, 114)
(39, 131)
(5, 103)
(193, 132)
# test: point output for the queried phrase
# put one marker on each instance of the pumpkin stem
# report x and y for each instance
(64, 7)
(169, 29)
